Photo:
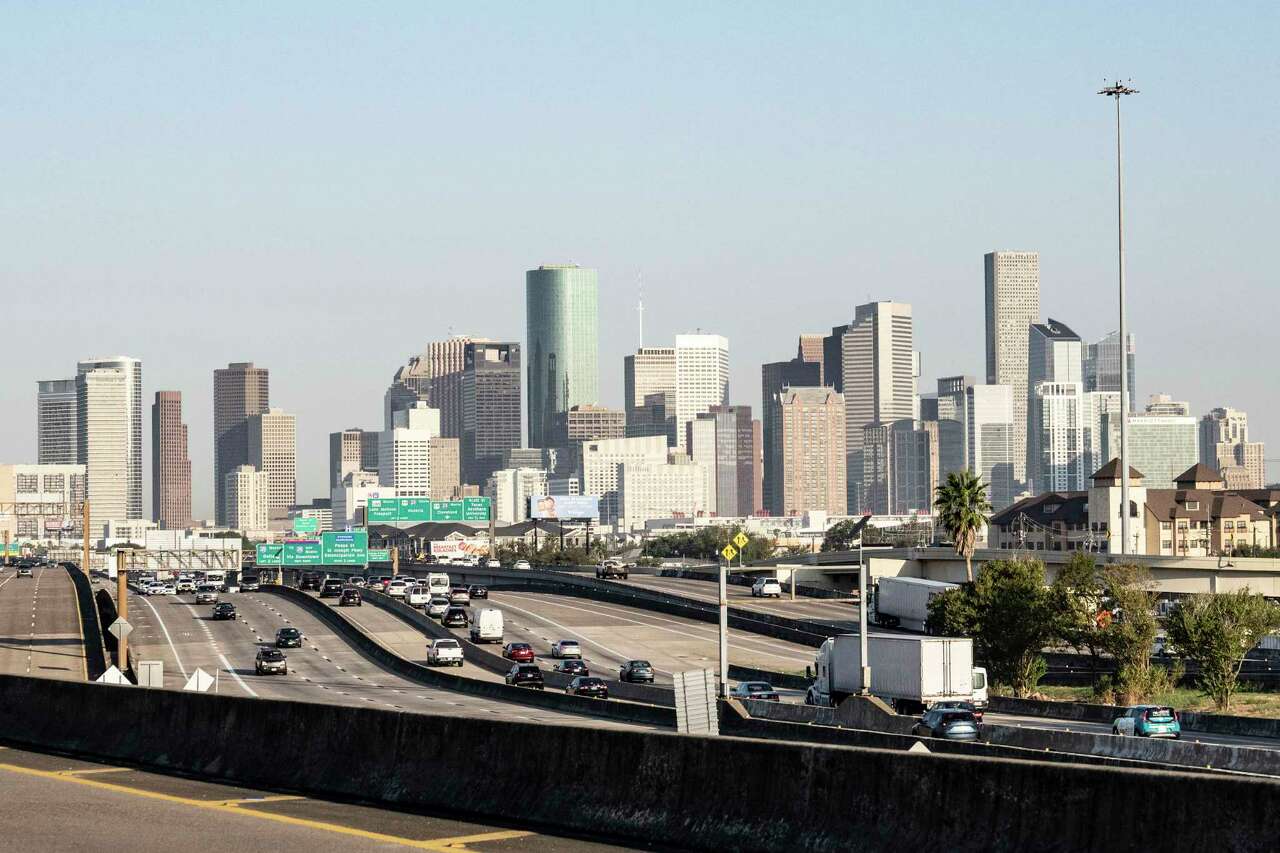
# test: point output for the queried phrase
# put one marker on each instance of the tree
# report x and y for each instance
(1079, 592)
(706, 544)
(1010, 615)
(1216, 630)
(1129, 630)
(842, 535)
(963, 509)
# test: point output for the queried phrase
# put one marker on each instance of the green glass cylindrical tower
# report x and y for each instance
(562, 347)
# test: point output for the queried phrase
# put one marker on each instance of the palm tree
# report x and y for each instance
(962, 507)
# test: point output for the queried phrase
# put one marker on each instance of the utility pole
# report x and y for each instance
(862, 620)
(6, 546)
(724, 631)
(395, 561)
(122, 610)
(1115, 90)
(85, 535)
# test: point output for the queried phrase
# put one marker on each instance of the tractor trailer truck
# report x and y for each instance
(904, 602)
(907, 672)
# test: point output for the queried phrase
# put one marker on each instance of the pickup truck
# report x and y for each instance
(444, 653)
(612, 569)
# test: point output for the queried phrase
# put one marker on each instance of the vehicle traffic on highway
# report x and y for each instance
(761, 690)
(636, 672)
(442, 652)
(271, 661)
(948, 724)
(525, 675)
(1152, 721)
(289, 638)
(588, 685)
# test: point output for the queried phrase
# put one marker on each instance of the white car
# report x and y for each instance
(155, 588)
(417, 596)
(766, 587)
(397, 588)
(521, 564)
(168, 589)
(186, 585)
(444, 653)
(437, 606)
(566, 649)
(493, 564)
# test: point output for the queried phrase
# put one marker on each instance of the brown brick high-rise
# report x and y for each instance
(170, 464)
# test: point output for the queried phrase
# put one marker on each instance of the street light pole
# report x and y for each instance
(1115, 90)
(724, 632)
(862, 621)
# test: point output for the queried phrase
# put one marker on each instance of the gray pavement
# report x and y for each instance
(55, 804)
(40, 625)
(840, 613)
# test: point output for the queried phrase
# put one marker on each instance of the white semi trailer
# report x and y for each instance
(908, 672)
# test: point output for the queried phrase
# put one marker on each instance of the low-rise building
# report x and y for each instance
(42, 503)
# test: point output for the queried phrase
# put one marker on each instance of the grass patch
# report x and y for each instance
(1246, 703)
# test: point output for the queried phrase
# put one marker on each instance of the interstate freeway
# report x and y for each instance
(40, 625)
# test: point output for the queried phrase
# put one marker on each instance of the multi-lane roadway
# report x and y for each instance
(40, 625)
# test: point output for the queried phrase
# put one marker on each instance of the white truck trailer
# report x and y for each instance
(904, 602)
(910, 673)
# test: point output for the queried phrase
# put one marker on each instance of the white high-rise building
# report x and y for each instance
(405, 450)
(602, 463)
(510, 490)
(351, 496)
(1161, 446)
(880, 368)
(702, 443)
(248, 499)
(990, 429)
(131, 412)
(56, 427)
(1013, 304)
(273, 447)
(102, 406)
(680, 488)
(1095, 406)
(702, 378)
(1054, 355)
(1225, 447)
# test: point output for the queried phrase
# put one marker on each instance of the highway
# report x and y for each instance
(40, 625)
(59, 805)
(842, 613)
(326, 669)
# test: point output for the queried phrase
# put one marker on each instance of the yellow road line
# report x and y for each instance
(93, 770)
(251, 800)
(228, 806)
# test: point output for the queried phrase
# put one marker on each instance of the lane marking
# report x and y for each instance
(167, 638)
(234, 807)
(94, 770)
(236, 676)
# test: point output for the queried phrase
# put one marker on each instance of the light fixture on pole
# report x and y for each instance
(1115, 90)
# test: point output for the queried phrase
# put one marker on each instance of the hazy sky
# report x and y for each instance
(322, 188)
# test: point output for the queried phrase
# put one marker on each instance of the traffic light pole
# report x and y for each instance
(724, 631)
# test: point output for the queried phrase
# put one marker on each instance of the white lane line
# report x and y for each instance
(236, 675)
(585, 638)
(167, 638)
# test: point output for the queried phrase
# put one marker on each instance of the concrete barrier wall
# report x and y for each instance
(662, 789)
(631, 712)
(95, 655)
(1192, 721)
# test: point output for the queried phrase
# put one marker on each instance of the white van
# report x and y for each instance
(486, 626)
(438, 584)
(417, 596)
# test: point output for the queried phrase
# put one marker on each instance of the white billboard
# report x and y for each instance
(564, 506)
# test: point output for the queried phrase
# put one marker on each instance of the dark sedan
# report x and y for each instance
(525, 675)
(636, 672)
(289, 638)
(224, 610)
(588, 686)
(350, 597)
(455, 617)
(760, 690)
(477, 591)
(572, 666)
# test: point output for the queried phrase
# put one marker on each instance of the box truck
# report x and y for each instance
(904, 602)
(908, 672)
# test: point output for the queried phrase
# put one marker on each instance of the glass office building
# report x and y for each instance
(562, 347)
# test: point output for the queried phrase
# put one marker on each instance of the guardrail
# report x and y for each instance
(631, 712)
(95, 655)
(1192, 721)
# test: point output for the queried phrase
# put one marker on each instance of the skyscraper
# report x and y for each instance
(1102, 367)
(434, 376)
(562, 348)
(239, 391)
(1161, 446)
(953, 424)
(102, 434)
(809, 441)
(273, 447)
(1013, 304)
(774, 378)
(1054, 356)
(880, 371)
(832, 370)
(415, 459)
(990, 433)
(131, 368)
(490, 407)
(732, 459)
(351, 450)
(810, 349)
(248, 499)
(702, 378)
(1225, 447)
(650, 371)
(170, 464)
(56, 422)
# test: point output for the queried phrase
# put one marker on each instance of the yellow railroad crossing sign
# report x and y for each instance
(729, 552)
(741, 540)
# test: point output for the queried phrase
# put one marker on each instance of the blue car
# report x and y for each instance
(1148, 721)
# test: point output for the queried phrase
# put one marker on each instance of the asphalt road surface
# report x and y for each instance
(56, 804)
(40, 625)
(840, 613)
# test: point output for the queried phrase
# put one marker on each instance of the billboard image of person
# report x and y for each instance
(564, 507)
(546, 507)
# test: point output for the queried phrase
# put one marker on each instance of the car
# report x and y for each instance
(289, 638)
(358, 580)
(455, 617)
(444, 653)
(154, 588)
(250, 583)
(331, 588)
(206, 594)
(492, 564)
(380, 583)
(437, 606)
(459, 596)
(957, 705)
(521, 564)
(310, 580)
(186, 585)
(271, 662)
(566, 649)
(588, 685)
(224, 610)
(417, 595)
(1148, 721)
(525, 675)
(947, 724)
(636, 672)
(168, 589)
(477, 591)
(396, 589)
(759, 690)
(766, 588)
(572, 666)
(23, 572)
(522, 652)
(350, 597)
(612, 569)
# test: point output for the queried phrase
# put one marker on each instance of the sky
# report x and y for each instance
(322, 188)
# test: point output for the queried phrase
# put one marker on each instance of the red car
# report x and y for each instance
(519, 652)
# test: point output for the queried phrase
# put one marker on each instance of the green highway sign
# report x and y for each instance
(306, 524)
(289, 554)
(384, 510)
(379, 555)
(350, 548)
(269, 555)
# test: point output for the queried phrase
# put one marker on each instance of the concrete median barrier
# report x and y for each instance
(1192, 721)
(653, 788)
(631, 712)
(95, 654)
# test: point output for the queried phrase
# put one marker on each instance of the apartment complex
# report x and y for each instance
(170, 463)
(1012, 306)
(240, 390)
